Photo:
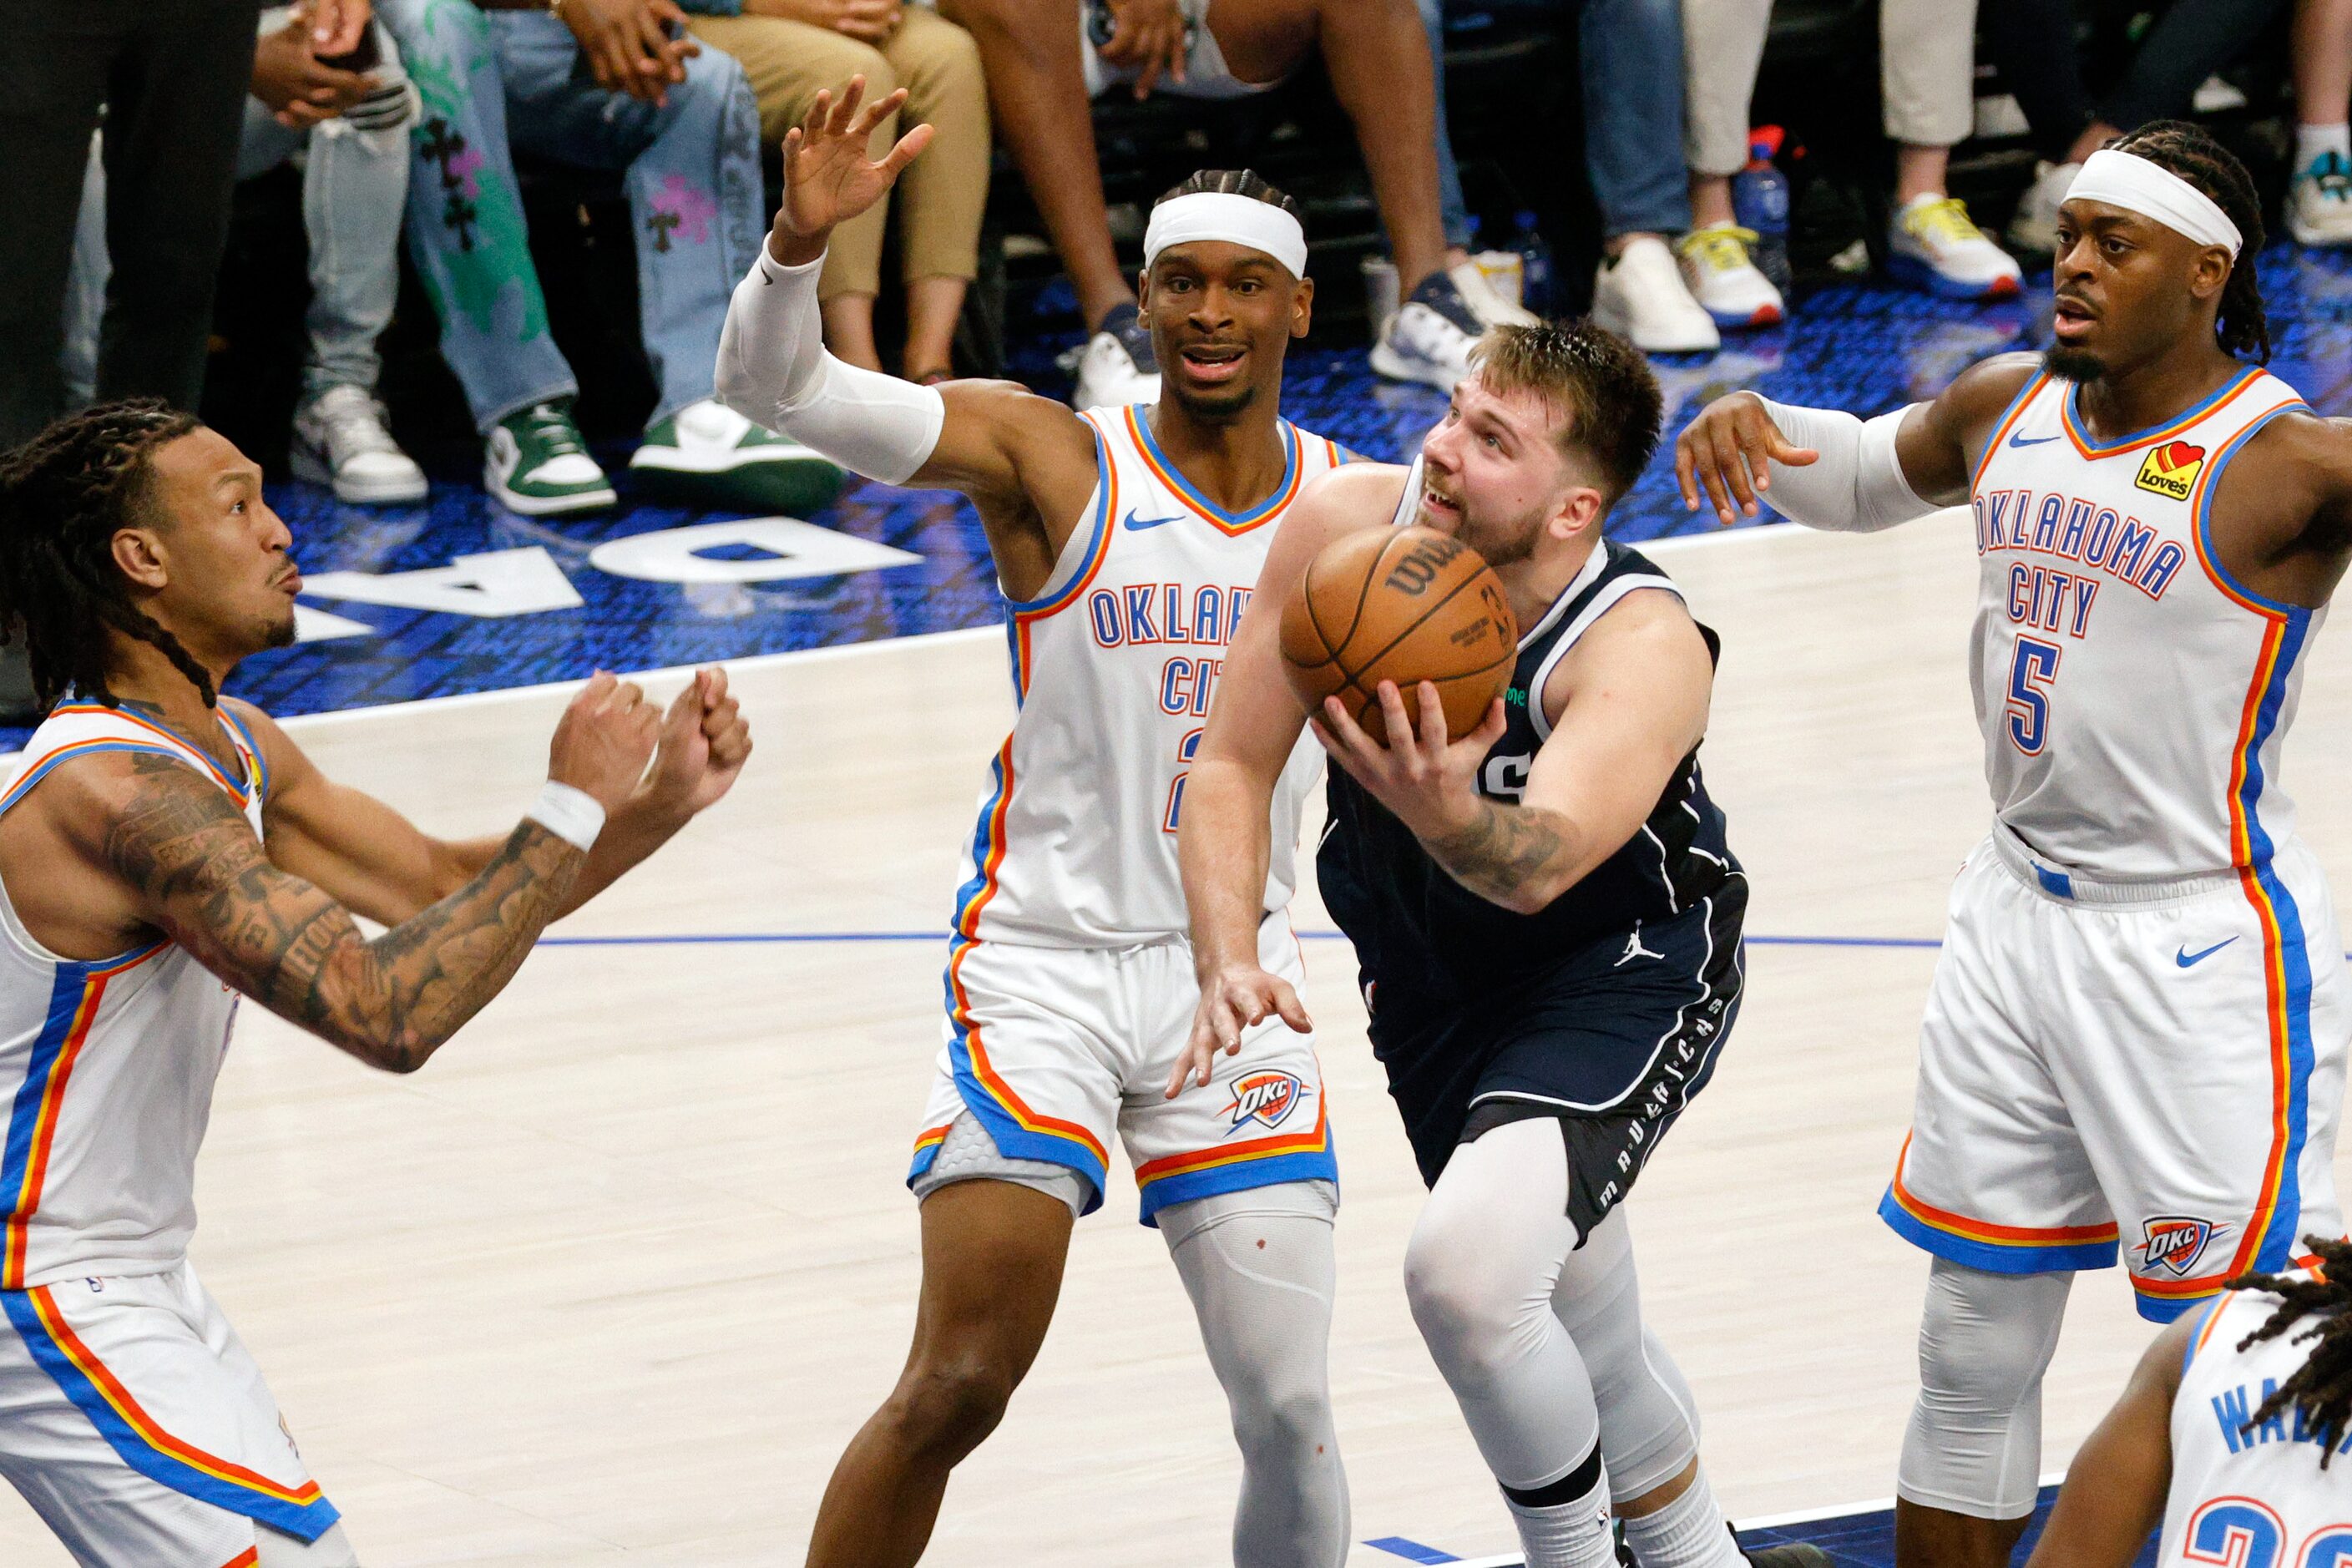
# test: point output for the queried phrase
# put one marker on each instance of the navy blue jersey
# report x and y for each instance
(1424, 940)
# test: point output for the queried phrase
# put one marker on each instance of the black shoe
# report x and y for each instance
(1789, 1554)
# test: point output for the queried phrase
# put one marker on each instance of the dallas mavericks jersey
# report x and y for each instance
(1114, 666)
(2133, 696)
(2251, 1495)
(107, 1064)
(1418, 930)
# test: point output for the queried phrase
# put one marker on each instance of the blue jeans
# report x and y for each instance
(1632, 52)
(692, 169)
(353, 183)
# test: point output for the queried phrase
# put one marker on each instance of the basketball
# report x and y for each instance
(1406, 605)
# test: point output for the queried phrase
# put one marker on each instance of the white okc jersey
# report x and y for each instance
(2133, 698)
(107, 1065)
(2254, 1496)
(1114, 664)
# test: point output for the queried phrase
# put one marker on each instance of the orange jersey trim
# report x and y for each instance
(1985, 1231)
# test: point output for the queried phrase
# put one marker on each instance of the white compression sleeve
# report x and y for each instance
(1974, 1445)
(1856, 485)
(774, 370)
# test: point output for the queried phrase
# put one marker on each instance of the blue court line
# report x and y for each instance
(1411, 1551)
(723, 939)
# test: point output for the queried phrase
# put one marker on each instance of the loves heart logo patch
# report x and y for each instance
(2171, 469)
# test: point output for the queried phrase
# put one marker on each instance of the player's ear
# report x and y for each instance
(1143, 298)
(139, 552)
(2209, 274)
(1302, 307)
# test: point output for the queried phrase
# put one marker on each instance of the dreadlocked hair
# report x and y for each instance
(2321, 1389)
(2182, 149)
(63, 494)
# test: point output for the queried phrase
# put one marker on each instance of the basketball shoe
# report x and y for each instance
(2319, 202)
(535, 462)
(1719, 268)
(1117, 365)
(340, 440)
(1933, 245)
(1639, 294)
(706, 454)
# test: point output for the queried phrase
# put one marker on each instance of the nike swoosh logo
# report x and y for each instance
(2020, 440)
(2185, 958)
(1140, 523)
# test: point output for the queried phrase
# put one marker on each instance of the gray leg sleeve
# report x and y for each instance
(1648, 1422)
(970, 1154)
(1985, 1339)
(274, 1548)
(1259, 1268)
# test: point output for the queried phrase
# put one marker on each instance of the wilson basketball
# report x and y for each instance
(1406, 605)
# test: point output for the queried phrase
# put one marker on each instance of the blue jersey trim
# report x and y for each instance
(1247, 1175)
(2203, 521)
(1176, 475)
(2099, 449)
(2067, 1258)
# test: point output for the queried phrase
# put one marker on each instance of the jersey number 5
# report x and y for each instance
(2030, 675)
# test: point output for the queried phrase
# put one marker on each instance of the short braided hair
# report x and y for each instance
(2321, 1389)
(63, 494)
(1233, 183)
(2178, 148)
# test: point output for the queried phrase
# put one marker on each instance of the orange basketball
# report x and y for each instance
(1406, 605)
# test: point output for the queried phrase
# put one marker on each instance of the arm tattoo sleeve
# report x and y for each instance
(392, 1002)
(1504, 850)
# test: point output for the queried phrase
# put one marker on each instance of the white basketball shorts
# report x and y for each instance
(2106, 1067)
(136, 1426)
(1056, 1048)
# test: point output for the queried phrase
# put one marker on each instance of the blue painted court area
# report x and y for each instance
(1859, 1540)
(459, 596)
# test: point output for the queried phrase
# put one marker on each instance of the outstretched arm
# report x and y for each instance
(1632, 698)
(1828, 470)
(1019, 455)
(197, 871)
(1227, 834)
(377, 863)
(2115, 1490)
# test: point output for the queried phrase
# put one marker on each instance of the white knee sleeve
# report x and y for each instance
(1259, 1268)
(1974, 1447)
(1649, 1421)
(275, 1549)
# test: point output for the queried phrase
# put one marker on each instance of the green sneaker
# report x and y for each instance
(707, 455)
(535, 463)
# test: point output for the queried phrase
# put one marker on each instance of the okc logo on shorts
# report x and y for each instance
(2174, 1243)
(1266, 1097)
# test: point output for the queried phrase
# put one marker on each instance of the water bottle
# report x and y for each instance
(1535, 264)
(1759, 201)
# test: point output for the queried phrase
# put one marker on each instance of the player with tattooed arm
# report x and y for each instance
(162, 850)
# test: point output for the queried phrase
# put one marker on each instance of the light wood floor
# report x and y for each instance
(616, 1276)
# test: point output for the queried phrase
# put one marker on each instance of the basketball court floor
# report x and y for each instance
(618, 1274)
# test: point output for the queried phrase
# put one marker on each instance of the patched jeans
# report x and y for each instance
(692, 169)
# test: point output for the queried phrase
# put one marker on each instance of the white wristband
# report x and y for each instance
(572, 814)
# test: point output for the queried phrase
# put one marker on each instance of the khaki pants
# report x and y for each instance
(942, 193)
(1927, 70)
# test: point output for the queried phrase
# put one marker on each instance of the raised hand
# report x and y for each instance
(703, 744)
(828, 178)
(1726, 448)
(604, 740)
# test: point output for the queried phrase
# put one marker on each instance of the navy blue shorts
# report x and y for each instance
(1613, 1041)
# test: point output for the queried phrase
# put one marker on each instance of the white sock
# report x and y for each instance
(1689, 1532)
(2313, 142)
(1570, 1533)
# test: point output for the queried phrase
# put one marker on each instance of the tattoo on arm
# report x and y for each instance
(1504, 849)
(392, 1002)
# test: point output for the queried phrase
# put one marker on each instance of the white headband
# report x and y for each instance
(2135, 185)
(1237, 220)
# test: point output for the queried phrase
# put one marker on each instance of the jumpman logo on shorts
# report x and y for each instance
(1634, 949)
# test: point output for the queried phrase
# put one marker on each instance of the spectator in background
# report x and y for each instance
(172, 75)
(793, 48)
(2032, 44)
(1046, 59)
(353, 124)
(1723, 45)
(602, 84)
(2319, 200)
(1928, 74)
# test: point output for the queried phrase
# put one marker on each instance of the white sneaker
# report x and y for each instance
(1931, 244)
(340, 440)
(707, 455)
(1491, 309)
(1722, 275)
(2319, 203)
(1116, 366)
(535, 462)
(1429, 338)
(2034, 226)
(1639, 294)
